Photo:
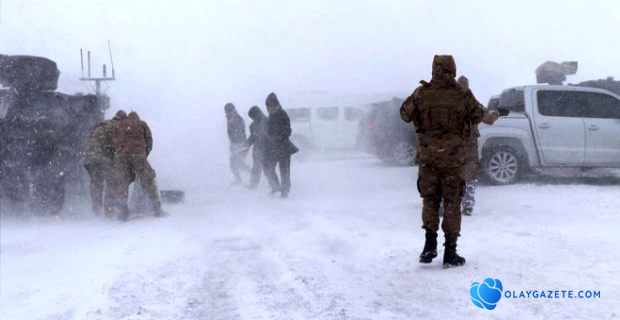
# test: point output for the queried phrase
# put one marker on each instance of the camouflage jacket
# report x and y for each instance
(440, 111)
(133, 137)
(100, 143)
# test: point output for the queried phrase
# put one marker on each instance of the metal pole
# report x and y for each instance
(82, 61)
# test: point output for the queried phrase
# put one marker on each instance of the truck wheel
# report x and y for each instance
(503, 165)
(403, 153)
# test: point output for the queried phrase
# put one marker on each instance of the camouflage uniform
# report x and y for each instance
(99, 163)
(472, 166)
(133, 143)
(440, 110)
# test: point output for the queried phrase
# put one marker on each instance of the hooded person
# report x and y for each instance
(258, 141)
(440, 110)
(279, 147)
(472, 166)
(133, 143)
(238, 142)
(99, 163)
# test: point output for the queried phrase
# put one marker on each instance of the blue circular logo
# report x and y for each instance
(486, 294)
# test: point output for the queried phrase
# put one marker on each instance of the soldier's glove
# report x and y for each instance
(503, 112)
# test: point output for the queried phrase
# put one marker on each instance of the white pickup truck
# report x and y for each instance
(550, 127)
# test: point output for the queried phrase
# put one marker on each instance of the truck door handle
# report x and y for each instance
(544, 126)
(592, 127)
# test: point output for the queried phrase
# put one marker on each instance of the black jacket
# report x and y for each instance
(258, 133)
(279, 129)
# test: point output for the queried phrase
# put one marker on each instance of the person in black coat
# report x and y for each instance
(236, 135)
(257, 140)
(279, 147)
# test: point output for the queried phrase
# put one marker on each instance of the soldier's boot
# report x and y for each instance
(159, 212)
(450, 257)
(430, 247)
(467, 208)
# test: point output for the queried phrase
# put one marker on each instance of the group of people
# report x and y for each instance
(115, 156)
(270, 142)
(446, 115)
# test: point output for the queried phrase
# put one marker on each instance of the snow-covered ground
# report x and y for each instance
(344, 246)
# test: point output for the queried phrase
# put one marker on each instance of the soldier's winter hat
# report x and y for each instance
(120, 114)
(255, 113)
(272, 100)
(133, 115)
(463, 82)
(444, 65)
(229, 107)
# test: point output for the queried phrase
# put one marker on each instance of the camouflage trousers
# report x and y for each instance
(128, 167)
(469, 200)
(471, 172)
(436, 185)
(101, 186)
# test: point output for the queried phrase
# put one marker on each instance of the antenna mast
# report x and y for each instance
(104, 76)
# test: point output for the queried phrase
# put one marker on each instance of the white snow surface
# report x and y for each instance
(343, 246)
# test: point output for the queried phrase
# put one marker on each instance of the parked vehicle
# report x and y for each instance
(324, 128)
(42, 135)
(384, 134)
(551, 126)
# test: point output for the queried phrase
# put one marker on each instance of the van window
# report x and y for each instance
(353, 114)
(561, 103)
(327, 113)
(299, 114)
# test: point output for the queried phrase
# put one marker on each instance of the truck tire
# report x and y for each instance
(503, 165)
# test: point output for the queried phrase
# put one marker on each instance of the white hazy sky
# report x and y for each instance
(178, 62)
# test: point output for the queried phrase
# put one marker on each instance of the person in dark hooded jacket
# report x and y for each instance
(236, 135)
(279, 147)
(258, 141)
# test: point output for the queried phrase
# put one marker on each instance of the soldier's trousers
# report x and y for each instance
(469, 199)
(436, 185)
(284, 162)
(100, 186)
(128, 166)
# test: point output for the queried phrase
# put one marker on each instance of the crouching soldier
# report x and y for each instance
(99, 163)
(132, 144)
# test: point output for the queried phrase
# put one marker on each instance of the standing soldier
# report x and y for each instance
(440, 110)
(236, 135)
(472, 166)
(279, 147)
(257, 140)
(99, 162)
(132, 144)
